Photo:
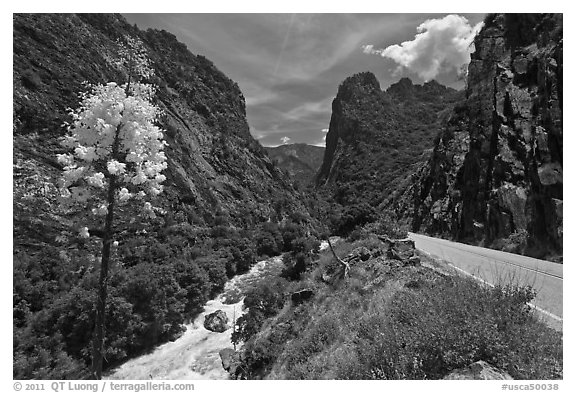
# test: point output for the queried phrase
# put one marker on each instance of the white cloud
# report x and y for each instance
(285, 140)
(308, 109)
(440, 45)
(322, 142)
(369, 50)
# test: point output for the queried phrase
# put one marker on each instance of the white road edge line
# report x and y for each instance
(535, 307)
(465, 249)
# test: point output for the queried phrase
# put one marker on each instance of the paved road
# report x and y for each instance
(498, 267)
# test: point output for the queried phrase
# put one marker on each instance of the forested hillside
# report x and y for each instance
(300, 160)
(224, 202)
(374, 138)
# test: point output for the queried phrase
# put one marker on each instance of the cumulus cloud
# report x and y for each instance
(440, 45)
(285, 140)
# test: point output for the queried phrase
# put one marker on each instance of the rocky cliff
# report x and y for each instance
(300, 160)
(214, 164)
(375, 135)
(495, 175)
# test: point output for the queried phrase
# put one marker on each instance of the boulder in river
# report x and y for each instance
(217, 321)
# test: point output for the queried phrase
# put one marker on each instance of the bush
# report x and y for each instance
(216, 269)
(158, 300)
(426, 333)
(388, 227)
(299, 259)
(354, 216)
(294, 265)
(263, 302)
(269, 240)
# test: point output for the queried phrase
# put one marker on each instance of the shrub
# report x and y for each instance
(354, 216)
(294, 265)
(263, 302)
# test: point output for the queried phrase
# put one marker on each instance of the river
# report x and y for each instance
(194, 355)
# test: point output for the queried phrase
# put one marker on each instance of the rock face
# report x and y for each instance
(214, 164)
(478, 370)
(300, 160)
(217, 321)
(375, 135)
(231, 362)
(496, 172)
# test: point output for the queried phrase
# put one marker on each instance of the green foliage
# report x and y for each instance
(162, 279)
(416, 325)
(53, 307)
(302, 252)
(269, 240)
(262, 302)
(388, 227)
(354, 216)
(381, 135)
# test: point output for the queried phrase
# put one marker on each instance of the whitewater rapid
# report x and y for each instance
(195, 355)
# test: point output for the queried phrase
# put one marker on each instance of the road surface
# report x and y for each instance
(498, 267)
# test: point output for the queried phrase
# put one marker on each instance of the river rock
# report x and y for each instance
(230, 360)
(217, 321)
(478, 370)
(402, 250)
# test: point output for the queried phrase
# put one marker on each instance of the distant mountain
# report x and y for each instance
(375, 136)
(495, 175)
(300, 160)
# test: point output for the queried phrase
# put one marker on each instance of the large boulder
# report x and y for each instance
(402, 250)
(478, 370)
(217, 321)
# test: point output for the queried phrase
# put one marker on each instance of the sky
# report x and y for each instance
(289, 66)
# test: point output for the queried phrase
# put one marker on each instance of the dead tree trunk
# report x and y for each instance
(345, 265)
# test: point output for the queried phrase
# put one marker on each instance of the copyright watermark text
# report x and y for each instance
(530, 386)
(102, 386)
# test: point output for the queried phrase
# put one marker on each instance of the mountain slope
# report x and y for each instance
(210, 147)
(495, 175)
(222, 198)
(375, 136)
(300, 160)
